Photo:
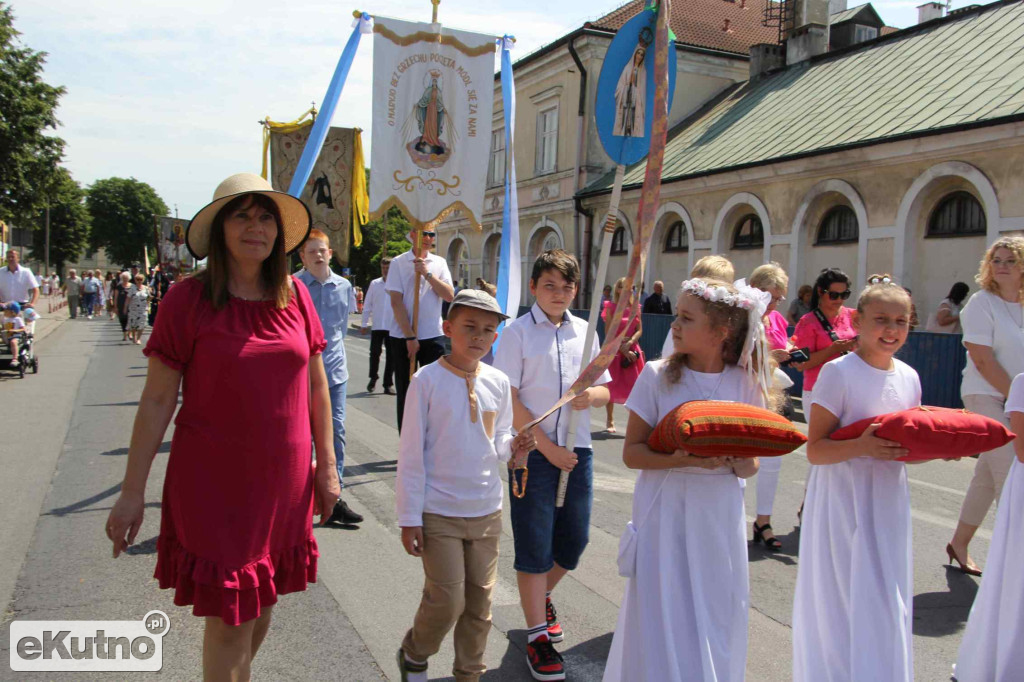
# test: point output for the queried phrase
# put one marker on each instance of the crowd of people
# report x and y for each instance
(260, 359)
(132, 297)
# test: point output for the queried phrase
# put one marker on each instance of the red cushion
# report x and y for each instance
(715, 428)
(934, 432)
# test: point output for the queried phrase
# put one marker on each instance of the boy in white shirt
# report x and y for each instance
(458, 429)
(542, 353)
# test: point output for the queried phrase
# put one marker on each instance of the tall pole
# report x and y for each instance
(418, 244)
(46, 269)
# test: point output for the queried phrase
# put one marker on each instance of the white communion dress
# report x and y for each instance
(992, 649)
(684, 614)
(853, 609)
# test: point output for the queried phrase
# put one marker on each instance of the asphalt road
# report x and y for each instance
(61, 475)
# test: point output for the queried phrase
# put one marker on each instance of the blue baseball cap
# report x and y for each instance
(14, 307)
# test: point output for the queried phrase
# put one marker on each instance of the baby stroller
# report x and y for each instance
(26, 358)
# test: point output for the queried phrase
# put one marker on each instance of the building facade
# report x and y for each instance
(556, 147)
(912, 174)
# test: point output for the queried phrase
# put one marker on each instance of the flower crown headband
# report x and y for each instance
(755, 302)
(719, 294)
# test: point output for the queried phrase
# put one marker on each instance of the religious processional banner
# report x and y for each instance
(328, 192)
(170, 243)
(433, 96)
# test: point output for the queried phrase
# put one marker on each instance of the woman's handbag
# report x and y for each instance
(626, 559)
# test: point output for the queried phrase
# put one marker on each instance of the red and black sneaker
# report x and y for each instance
(555, 633)
(545, 663)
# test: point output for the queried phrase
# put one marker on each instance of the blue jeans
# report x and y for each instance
(338, 418)
(543, 534)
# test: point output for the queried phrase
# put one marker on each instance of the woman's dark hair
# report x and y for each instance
(827, 278)
(274, 272)
(959, 292)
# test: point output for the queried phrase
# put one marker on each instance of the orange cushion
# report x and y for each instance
(715, 428)
(934, 432)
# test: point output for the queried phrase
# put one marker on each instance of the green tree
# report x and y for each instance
(365, 260)
(69, 223)
(122, 211)
(28, 156)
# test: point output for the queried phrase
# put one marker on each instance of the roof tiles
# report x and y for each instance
(701, 23)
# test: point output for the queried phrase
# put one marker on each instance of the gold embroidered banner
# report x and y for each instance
(328, 192)
(433, 94)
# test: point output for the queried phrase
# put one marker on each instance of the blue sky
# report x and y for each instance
(170, 93)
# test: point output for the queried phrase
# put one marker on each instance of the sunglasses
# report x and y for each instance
(836, 295)
(430, 234)
(879, 280)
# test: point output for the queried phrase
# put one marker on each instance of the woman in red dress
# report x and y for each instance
(628, 364)
(243, 341)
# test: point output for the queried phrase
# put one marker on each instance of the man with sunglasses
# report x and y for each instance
(826, 332)
(426, 342)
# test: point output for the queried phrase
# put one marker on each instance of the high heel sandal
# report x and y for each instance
(964, 568)
(772, 543)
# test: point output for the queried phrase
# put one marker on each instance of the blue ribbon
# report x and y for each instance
(323, 121)
(509, 282)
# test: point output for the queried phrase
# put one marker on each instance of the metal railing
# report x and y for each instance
(939, 359)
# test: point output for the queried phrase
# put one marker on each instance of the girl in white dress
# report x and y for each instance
(684, 615)
(852, 615)
(991, 650)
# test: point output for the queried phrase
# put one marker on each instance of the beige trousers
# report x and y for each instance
(992, 467)
(460, 560)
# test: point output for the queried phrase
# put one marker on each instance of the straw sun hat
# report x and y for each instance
(296, 221)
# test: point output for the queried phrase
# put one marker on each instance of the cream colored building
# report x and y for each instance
(902, 155)
(557, 150)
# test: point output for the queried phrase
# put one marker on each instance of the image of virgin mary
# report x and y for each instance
(631, 97)
(429, 113)
(429, 126)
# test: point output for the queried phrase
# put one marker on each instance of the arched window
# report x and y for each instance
(956, 215)
(749, 233)
(619, 246)
(492, 256)
(458, 260)
(839, 226)
(677, 240)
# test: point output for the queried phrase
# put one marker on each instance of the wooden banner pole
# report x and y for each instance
(611, 220)
(417, 245)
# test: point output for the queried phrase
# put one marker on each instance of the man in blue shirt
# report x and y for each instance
(334, 298)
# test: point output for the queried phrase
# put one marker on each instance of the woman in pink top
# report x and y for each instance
(826, 332)
(772, 278)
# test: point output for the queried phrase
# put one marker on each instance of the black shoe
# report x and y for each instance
(370, 386)
(405, 666)
(343, 515)
(545, 663)
(388, 390)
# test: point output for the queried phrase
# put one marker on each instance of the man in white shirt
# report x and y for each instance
(17, 283)
(426, 342)
(377, 315)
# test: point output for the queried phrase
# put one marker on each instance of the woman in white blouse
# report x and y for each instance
(993, 322)
(946, 319)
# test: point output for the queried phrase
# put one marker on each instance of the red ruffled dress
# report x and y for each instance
(237, 509)
(623, 378)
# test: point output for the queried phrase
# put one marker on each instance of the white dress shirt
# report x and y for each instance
(377, 306)
(542, 361)
(401, 278)
(14, 286)
(456, 431)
